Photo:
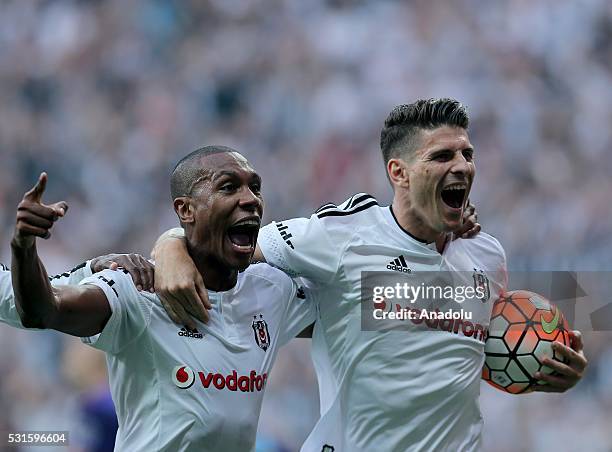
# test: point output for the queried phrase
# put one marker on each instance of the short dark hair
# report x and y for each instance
(400, 132)
(188, 170)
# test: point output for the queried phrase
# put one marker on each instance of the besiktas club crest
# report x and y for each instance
(260, 329)
(481, 284)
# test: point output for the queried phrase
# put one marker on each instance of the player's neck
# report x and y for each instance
(414, 225)
(215, 275)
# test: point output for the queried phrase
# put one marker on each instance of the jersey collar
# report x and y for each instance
(391, 219)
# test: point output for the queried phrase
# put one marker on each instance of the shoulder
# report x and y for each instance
(265, 272)
(118, 281)
(313, 247)
(485, 246)
(119, 276)
(486, 240)
(359, 208)
(264, 275)
(357, 203)
(358, 212)
(122, 294)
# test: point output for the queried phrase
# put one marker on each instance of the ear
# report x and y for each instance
(398, 173)
(184, 209)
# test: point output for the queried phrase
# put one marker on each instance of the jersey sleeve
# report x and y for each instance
(131, 311)
(72, 277)
(8, 311)
(301, 247)
(301, 312)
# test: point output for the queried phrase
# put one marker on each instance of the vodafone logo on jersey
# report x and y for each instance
(183, 377)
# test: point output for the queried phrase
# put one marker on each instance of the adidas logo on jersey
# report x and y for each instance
(186, 332)
(282, 229)
(399, 265)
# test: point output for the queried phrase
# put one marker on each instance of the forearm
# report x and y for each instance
(172, 243)
(34, 297)
(77, 310)
(170, 237)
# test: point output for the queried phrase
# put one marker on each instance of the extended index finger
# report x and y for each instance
(36, 192)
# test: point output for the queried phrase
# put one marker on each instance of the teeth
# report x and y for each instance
(247, 223)
(456, 187)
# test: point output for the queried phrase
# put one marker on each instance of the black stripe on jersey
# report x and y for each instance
(353, 201)
(341, 213)
(403, 261)
(327, 206)
(123, 270)
(358, 199)
(68, 273)
(109, 282)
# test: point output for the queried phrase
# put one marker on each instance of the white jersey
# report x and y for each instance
(8, 311)
(387, 390)
(180, 390)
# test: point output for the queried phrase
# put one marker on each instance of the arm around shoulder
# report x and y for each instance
(178, 282)
(303, 247)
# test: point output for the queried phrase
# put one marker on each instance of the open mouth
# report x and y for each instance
(453, 195)
(243, 234)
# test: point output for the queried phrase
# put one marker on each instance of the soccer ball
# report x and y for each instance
(522, 329)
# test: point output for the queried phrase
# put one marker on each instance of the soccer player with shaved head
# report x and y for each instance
(195, 388)
(390, 390)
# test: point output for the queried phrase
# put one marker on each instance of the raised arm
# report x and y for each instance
(80, 311)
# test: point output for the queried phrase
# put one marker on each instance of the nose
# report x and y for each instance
(249, 200)
(461, 165)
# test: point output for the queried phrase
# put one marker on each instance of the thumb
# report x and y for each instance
(36, 192)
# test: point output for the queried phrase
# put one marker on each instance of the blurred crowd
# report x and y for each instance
(107, 95)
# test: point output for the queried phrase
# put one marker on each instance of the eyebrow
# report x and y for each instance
(439, 151)
(234, 174)
(224, 173)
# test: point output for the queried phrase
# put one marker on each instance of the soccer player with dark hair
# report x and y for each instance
(177, 389)
(390, 390)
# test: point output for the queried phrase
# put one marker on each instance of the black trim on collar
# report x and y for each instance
(400, 226)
